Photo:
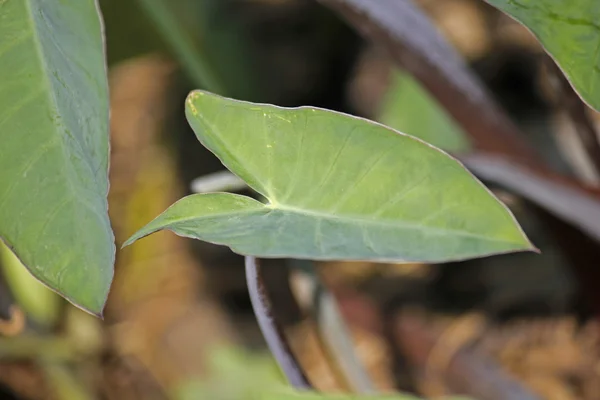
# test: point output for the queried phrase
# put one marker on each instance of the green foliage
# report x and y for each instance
(252, 373)
(129, 33)
(211, 49)
(570, 31)
(295, 395)
(408, 108)
(338, 187)
(237, 374)
(40, 303)
(54, 140)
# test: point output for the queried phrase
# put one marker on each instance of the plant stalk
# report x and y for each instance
(269, 327)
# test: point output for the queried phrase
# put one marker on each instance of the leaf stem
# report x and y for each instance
(333, 330)
(271, 330)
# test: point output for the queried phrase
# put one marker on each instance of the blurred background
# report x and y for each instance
(179, 324)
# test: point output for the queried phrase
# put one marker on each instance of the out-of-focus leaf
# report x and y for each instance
(129, 32)
(209, 45)
(54, 141)
(569, 30)
(408, 108)
(236, 374)
(39, 302)
(294, 395)
(252, 373)
(339, 187)
(64, 382)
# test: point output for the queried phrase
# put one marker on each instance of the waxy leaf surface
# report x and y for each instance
(54, 146)
(338, 187)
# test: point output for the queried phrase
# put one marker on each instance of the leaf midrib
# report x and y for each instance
(343, 218)
(396, 224)
(67, 168)
(51, 98)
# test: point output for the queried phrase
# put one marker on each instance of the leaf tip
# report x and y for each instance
(525, 244)
(143, 232)
(192, 97)
(130, 241)
(96, 312)
(94, 307)
(533, 248)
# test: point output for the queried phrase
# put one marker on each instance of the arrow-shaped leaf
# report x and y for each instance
(338, 187)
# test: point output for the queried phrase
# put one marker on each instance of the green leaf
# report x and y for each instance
(408, 108)
(253, 373)
(54, 141)
(569, 30)
(338, 187)
(256, 377)
(296, 395)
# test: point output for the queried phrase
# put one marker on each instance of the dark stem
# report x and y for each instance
(413, 42)
(269, 327)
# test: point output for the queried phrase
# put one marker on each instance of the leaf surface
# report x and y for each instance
(569, 30)
(54, 146)
(338, 187)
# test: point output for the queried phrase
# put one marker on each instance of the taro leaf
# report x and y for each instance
(338, 187)
(569, 30)
(54, 146)
(409, 108)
